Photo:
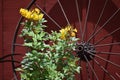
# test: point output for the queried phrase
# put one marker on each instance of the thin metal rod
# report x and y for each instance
(9, 61)
(111, 53)
(101, 14)
(106, 36)
(81, 76)
(105, 70)
(9, 55)
(48, 16)
(108, 58)
(63, 12)
(16, 76)
(91, 67)
(101, 45)
(118, 75)
(79, 18)
(88, 73)
(19, 45)
(105, 60)
(85, 25)
(98, 31)
(93, 41)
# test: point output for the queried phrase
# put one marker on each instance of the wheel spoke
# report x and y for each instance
(63, 12)
(105, 60)
(117, 75)
(101, 14)
(106, 36)
(105, 70)
(101, 45)
(49, 16)
(81, 77)
(9, 61)
(93, 61)
(85, 25)
(9, 55)
(108, 58)
(19, 45)
(91, 67)
(79, 18)
(98, 31)
(88, 73)
(111, 53)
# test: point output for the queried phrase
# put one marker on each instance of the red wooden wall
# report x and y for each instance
(9, 16)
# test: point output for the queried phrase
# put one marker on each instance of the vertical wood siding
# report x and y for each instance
(9, 16)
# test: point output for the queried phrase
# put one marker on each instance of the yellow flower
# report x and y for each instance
(23, 12)
(75, 30)
(28, 15)
(32, 15)
(37, 10)
(67, 32)
(73, 34)
(63, 34)
(68, 28)
(41, 16)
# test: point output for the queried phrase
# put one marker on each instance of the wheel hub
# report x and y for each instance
(85, 51)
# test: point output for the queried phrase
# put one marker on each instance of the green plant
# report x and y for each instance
(50, 55)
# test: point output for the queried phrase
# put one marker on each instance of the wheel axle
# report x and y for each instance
(85, 49)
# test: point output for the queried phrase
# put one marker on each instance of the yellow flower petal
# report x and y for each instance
(67, 32)
(23, 12)
(37, 10)
(73, 34)
(35, 17)
(41, 16)
(75, 30)
(68, 28)
(28, 15)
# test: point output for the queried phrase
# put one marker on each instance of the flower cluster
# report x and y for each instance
(67, 32)
(35, 14)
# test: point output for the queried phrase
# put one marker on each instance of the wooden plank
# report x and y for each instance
(1, 27)
(1, 39)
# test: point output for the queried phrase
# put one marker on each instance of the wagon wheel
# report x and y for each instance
(97, 22)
